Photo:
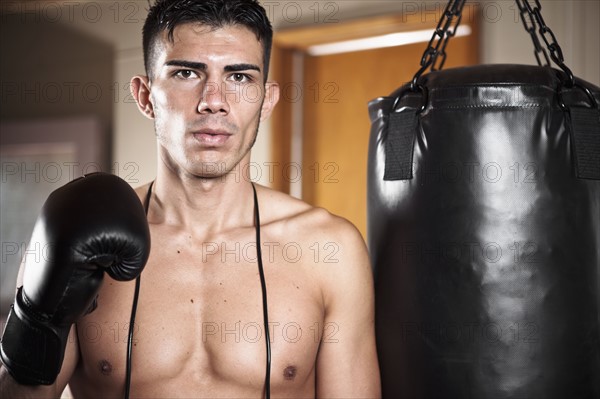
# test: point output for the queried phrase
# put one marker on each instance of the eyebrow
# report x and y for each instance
(202, 66)
(241, 67)
(187, 64)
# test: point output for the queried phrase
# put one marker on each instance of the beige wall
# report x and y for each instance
(575, 23)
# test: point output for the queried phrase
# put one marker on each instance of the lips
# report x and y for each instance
(211, 137)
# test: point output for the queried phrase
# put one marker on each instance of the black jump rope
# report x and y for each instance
(264, 301)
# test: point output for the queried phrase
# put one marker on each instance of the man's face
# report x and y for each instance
(207, 97)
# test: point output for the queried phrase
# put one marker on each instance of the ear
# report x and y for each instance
(140, 89)
(271, 98)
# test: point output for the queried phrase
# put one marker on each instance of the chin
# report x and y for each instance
(208, 170)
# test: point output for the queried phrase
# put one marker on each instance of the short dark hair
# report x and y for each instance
(167, 14)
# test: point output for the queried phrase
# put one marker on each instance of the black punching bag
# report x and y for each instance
(484, 232)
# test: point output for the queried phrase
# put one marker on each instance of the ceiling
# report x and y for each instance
(119, 23)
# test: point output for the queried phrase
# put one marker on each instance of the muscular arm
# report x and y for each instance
(347, 365)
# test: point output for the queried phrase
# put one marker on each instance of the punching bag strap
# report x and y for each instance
(585, 136)
(584, 128)
(402, 125)
(399, 145)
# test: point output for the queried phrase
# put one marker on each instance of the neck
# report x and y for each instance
(202, 206)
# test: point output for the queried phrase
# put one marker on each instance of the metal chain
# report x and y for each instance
(436, 48)
(434, 55)
(547, 35)
(450, 15)
(526, 17)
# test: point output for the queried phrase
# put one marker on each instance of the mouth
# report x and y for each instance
(211, 138)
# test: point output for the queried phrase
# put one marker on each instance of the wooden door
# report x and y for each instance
(335, 123)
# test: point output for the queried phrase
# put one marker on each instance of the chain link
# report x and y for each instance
(535, 15)
(526, 17)
(449, 33)
(434, 55)
(436, 48)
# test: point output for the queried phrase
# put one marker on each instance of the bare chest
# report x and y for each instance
(199, 325)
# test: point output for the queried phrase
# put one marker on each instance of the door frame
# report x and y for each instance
(289, 47)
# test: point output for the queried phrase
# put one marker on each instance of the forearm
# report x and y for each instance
(9, 388)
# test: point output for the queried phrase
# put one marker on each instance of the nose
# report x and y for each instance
(213, 99)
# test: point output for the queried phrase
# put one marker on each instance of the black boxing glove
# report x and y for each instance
(92, 225)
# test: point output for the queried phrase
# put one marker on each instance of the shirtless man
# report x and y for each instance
(199, 324)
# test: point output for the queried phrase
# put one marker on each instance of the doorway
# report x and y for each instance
(321, 126)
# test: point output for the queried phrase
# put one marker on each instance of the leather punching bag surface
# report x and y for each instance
(484, 232)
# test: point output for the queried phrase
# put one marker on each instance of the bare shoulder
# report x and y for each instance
(333, 249)
(283, 212)
(334, 252)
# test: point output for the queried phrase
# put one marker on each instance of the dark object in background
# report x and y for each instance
(484, 230)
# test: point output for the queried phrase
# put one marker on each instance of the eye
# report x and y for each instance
(186, 74)
(241, 77)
